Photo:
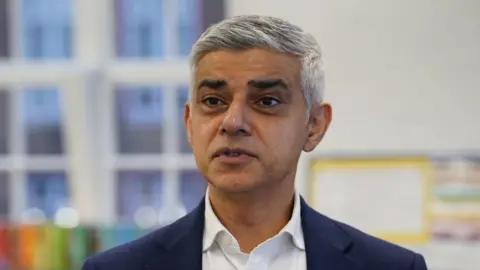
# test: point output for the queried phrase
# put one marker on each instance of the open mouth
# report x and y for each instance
(232, 152)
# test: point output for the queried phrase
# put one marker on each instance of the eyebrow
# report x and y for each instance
(268, 83)
(259, 84)
(213, 84)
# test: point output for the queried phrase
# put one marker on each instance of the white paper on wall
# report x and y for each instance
(376, 200)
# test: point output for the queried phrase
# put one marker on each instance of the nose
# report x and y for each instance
(236, 121)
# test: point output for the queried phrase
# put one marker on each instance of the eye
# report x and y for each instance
(269, 102)
(211, 101)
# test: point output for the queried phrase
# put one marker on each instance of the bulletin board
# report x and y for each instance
(386, 197)
(426, 202)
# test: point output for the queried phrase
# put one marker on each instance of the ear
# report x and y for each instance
(318, 123)
(187, 121)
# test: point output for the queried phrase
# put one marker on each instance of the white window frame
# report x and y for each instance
(169, 73)
(69, 80)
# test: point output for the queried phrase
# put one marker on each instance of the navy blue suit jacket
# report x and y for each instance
(330, 245)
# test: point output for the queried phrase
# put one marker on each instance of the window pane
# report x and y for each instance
(4, 121)
(47, 191)
(137, 189)
(4, 198)
(189, 24)
(43, 123)
(139, 119)
(192, 189)
(4, 29)
(139, 28)
(46, 29)
(182, 98)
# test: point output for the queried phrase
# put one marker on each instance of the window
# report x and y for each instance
(47, 192)
(4, 29)
(189, 24)
(46, 29)
(137, 191)
(4, 197)
(31, 124)
(192, 189)
(4, 121)
(139, 119)
(33, 128)
(182, 99)
(42, 119)
(139, 28)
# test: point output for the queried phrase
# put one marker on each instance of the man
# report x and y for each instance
(256, 103)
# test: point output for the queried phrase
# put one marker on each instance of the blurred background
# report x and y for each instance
(92, 146)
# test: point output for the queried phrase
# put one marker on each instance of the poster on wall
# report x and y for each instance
(387, 198)
(456, 208)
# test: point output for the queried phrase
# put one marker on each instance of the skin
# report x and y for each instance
(252, 100)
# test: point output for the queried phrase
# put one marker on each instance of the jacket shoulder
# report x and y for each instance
(379, 253)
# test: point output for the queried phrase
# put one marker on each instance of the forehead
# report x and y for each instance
(241, 66)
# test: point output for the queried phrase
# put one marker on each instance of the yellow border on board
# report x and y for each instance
(422, 164)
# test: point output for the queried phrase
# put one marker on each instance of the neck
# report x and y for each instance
(253, 217)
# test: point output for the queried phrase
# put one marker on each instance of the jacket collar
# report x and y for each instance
(327, 245)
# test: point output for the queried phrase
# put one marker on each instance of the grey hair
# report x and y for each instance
(254, 31)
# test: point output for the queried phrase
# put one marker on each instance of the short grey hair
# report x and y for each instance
(254, 31)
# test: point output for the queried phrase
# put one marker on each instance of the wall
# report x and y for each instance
(401, 75)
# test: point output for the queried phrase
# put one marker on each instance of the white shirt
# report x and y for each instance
(285, 251)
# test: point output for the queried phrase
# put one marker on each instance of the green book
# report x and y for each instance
(57, 239)
(78, 246)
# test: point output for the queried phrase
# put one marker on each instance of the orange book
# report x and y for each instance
(28, 240)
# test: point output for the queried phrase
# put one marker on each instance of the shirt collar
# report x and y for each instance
(294, 225)
(214, 228)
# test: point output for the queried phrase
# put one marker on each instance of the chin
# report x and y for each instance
(233, 183)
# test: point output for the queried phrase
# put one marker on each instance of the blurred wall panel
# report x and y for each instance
(137, 190)
(43, 121)
(140, 121)
(4, 196)
(213, 11)
(139, 28)
(182, 99)
(4, 121)
(4, 29)
(46, 29)
(192, 189)
(47, 192)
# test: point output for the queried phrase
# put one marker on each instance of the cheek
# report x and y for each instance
(202, 133)
(284, 139)
(292, 133)
(293, 139)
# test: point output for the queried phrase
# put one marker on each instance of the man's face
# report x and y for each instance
(247, 122)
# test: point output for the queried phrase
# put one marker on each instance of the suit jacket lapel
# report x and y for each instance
(327, 246)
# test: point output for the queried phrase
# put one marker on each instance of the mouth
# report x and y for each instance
(232, 152)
